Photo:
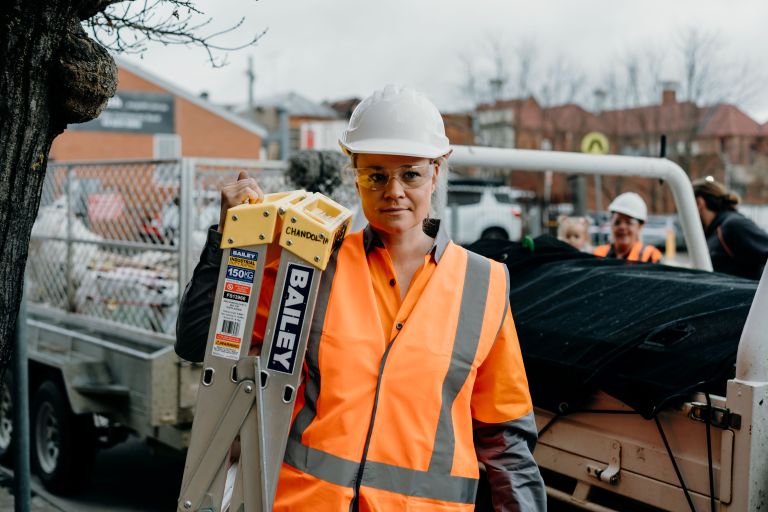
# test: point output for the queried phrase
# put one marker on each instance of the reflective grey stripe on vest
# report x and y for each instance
(312, 379)
(473, 300)
(377, 475)
(423, 484)
(320, 464)
(506, 300)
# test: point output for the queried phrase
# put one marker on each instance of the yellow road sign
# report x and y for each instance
(595, 143)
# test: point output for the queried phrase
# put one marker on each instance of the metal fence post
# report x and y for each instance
(69, 271)
(20, 430)
(186, 219)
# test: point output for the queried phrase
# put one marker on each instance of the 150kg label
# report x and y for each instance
(238, 288)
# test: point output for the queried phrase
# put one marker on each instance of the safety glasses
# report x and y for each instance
(409, 176)
(618, 221)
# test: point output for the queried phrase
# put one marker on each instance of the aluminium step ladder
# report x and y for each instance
(251, 398)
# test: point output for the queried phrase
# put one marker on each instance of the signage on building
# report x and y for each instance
(595, 143)
(321, 134)
(131, 111)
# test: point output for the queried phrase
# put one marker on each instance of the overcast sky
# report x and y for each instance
(335, 49)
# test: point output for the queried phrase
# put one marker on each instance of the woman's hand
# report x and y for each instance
(244, 190)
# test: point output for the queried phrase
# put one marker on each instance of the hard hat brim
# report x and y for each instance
(627, 212)
(400, 147)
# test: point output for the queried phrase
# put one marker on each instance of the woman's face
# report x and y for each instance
(626, 231)
(395, 209)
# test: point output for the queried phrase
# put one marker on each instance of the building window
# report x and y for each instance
(166, 146)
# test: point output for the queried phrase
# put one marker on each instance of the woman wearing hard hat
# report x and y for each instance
(629, 213)
(413, 368)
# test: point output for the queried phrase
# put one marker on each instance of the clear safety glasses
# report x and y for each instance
(629, 221)
(409, 176)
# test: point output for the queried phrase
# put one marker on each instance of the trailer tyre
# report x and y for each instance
(494, 234)
(63, 443)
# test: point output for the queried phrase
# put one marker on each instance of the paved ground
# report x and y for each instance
(129, 477)
(7, 501)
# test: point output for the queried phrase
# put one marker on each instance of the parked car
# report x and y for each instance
(657, 228)
(478, 211)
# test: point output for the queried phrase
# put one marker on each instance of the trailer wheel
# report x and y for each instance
(494, 234)
(6, 422)
(63, 443)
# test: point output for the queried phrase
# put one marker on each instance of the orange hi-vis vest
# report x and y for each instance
(639, 252)
(386, 424)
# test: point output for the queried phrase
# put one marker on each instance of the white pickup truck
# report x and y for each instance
(483, 210)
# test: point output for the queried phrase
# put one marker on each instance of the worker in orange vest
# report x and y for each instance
(413, 369)
(629, 213)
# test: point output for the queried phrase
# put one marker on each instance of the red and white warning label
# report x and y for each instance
(237, 293)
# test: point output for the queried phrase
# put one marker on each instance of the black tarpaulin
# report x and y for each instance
(647, 334)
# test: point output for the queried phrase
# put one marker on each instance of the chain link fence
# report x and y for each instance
(117, 241)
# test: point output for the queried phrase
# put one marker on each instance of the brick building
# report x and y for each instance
(150, 117)
(283, 116)
(718, 140)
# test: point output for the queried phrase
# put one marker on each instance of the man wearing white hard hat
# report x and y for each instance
(413, 368)
(629, 214)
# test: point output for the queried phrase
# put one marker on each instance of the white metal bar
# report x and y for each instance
(752, 357)
(579, 163)
(748, 396)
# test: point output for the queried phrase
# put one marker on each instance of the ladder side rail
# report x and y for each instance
(219, 377)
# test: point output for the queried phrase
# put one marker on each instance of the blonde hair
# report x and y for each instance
(565, 221)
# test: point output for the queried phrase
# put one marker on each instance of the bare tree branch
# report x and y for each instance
(129, 26)
(526, 56)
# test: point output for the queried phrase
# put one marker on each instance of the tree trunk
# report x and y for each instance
(52, 74)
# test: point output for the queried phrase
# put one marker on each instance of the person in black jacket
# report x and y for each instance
(737, 245)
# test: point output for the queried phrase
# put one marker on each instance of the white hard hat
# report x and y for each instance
(631, 204)
(396, 121)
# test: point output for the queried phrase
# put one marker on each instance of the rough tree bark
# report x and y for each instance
(52, 74)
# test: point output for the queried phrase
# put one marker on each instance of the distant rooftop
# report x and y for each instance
(294, 103)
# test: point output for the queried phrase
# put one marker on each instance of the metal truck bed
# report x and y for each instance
(624, 454)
